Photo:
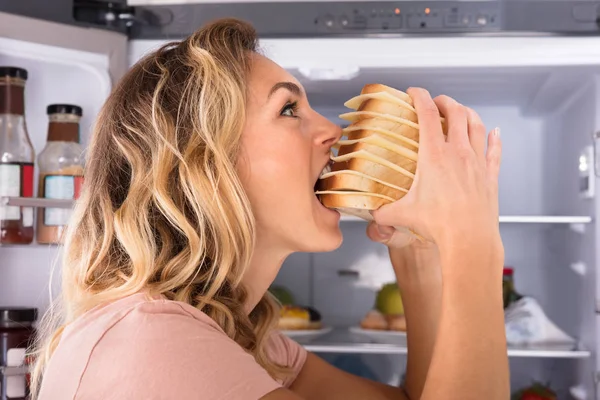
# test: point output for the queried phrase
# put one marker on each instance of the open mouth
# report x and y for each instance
(325, 170)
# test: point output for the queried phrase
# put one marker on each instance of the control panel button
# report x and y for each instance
(482, 20)
(328, 21)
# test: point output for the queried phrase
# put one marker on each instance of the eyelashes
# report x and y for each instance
(290, 109)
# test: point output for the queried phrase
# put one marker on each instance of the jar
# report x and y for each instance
(16, 158)
(16, 333)
(61, 170)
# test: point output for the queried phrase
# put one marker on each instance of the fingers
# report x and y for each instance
(430, 129)
(494, 156)
(477, 133)
(456, 118)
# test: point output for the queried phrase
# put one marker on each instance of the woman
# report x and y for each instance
(200, 183)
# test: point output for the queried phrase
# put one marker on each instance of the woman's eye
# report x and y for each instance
(289, 110)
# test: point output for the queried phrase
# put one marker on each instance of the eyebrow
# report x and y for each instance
(289, 86)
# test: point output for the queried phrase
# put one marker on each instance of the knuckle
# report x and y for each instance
(417, 91)
(457, 109)
(475, 122)
(464, 153)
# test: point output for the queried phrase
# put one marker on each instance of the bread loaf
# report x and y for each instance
(377, 158)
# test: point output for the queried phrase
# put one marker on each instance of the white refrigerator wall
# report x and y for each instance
(570, 297)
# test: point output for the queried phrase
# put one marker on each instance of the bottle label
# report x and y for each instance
(62, 187)
(16, 180)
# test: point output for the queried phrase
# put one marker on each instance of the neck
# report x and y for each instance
(262, 271)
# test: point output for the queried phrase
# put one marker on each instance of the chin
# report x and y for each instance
(327, 239)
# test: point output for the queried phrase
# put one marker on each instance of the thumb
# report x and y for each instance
(398, 213)
(379, 233)
(389, 235)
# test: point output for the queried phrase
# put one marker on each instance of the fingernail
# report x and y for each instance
(497, 131)
(384, 231)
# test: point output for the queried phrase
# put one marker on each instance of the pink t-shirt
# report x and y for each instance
(137, 348)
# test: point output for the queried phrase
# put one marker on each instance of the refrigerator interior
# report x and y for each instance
(544, 93)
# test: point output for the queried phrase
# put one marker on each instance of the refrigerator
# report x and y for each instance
(529, 67)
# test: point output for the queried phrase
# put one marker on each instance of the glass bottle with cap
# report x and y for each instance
(16, 158)
(61, 170)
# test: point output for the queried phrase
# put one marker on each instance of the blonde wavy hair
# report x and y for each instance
(163, 210)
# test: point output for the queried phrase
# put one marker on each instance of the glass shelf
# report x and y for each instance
(518, 219)
(340, 340)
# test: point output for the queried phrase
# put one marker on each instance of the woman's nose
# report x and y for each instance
(328, 133)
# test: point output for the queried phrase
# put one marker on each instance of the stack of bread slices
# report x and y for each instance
(376, 160)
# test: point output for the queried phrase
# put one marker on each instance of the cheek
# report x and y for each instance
(275, 173)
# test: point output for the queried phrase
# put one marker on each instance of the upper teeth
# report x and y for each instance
(326, 170)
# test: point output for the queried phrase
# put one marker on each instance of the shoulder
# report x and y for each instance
(162, 349)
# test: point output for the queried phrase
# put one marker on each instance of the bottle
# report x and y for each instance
(510, 295)
(61, 170)
(16, 158)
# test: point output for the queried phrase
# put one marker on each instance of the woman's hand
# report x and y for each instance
(455, 191)
(454, 202)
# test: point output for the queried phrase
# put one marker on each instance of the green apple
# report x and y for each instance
(389, 301)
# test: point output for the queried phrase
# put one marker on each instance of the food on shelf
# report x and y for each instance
(282, 294)
(299, 318)
(315, 318)
(536, 391)
(374, 320)
(16, 167)
(292, 316)
(510, 295)
(377, 160)
(389, 310)
(61, 170)
(389, 301)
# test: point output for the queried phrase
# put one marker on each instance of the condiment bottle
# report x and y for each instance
(61, 170)
(510, 295)
(16, 335)
(16, 158)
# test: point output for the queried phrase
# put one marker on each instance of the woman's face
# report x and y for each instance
(285, 146)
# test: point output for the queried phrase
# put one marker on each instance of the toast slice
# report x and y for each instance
(378, 87)
(378, 141)
(340, 199)
(386, 157)
(401, 134)
(376, 170)
(356, 116)
(349, 180)
(355, 102)
(386, 107)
